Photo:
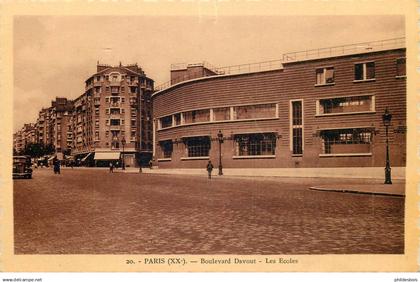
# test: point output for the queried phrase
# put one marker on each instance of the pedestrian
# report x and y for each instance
(54, 166)
(140, 169)
(111, 167)
(58, 164)
(209, 168)
(150, 164)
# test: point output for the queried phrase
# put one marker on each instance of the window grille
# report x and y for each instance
(167, 148)
(255, 144)
(297, 127)
(353, 140)
(198, 146)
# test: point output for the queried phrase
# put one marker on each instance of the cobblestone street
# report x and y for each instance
(95, 212)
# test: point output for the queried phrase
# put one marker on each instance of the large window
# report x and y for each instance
(115, 122)
(115, 89)
(221, 114)
(197, 146)
(401, 68)
(325, 75)
(177, 119)
(364, 71)
(255, 111)
(346, 104)
(230, 113)
(197, 116)
(167, 148)
(166, 122)
(297, 127)
(115, 111)
(115, 101)
(256, 144)
(346, 141)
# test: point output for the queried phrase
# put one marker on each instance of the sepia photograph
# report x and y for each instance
(275, 152)
(209, 140)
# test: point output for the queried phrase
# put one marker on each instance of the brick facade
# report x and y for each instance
(328, 138)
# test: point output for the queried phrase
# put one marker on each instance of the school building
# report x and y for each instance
(318, 108)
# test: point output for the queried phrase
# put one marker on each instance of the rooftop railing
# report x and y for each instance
(363, 47)
(183, 66)
(342, 50)
(252, 67)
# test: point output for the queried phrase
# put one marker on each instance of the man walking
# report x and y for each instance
(111, 167)
(56, 164)
(209, 168)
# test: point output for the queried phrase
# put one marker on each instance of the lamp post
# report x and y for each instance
(123, 144)
(220, 139)
(386, 118)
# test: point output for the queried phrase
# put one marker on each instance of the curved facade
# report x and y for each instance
(316, 113)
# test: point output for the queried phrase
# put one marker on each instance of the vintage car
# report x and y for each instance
(22, 167)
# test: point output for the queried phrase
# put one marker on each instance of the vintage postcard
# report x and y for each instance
(209, 136)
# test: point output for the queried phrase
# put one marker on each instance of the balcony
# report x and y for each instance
(132, 82)
(115, 104)
(115, 127)
(114, 83)
(133, 102)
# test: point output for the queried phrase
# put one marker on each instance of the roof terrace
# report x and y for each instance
(291, 57)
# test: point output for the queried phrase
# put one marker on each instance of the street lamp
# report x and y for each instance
(220, 139)
(386, 118)
(123, 144)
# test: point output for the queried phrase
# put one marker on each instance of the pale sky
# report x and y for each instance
(53, 56)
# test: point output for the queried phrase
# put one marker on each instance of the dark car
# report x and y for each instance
(22, 167)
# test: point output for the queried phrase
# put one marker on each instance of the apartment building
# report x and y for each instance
(112, 120)
(26, 135)
(60, 113)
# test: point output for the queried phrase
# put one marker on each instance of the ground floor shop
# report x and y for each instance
(103, 158)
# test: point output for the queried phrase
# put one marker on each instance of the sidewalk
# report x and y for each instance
(396, 189)
(398, 173)
(349, 185)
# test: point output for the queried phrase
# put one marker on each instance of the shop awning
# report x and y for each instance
(107, 155)
(87, 156)
(51, 158)
(60, 156)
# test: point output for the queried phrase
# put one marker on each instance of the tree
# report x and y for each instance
(49, 149)
(34, 150)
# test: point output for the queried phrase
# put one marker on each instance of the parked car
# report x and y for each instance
(22, 167)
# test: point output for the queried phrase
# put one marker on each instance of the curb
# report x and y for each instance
(356, 192)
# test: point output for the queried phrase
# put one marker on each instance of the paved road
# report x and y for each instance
(95, 212)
